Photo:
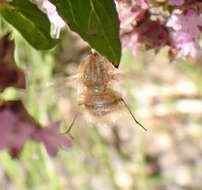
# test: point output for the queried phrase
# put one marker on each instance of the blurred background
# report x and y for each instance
(165, 97)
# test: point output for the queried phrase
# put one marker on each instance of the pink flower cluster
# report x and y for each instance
(17, 127)
(185, 31)
(176, 2)
(13, 133)
(138, 28)
(149, 23)
(52, 138)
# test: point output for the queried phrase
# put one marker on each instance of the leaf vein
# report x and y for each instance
(93, 9)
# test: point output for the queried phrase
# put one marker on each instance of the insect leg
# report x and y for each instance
(127, 107)
(73, 121)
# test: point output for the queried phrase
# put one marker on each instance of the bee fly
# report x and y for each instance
(96, 95)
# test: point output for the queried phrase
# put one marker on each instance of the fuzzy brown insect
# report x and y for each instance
(96, 94)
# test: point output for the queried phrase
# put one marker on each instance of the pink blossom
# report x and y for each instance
(130, 14)
(142, 25)
(13, 132)
(176, 2)
(189, 48)
(188, 23)
(53, 16)
(144, 4)
(131, 40)
(127, 19)
(52, 138)
(186, 30)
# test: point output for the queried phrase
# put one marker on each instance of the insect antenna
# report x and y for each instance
(72, 124)
(127, 107)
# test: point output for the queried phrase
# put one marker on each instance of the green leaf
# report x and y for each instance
(33, 25)
(96, 21)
